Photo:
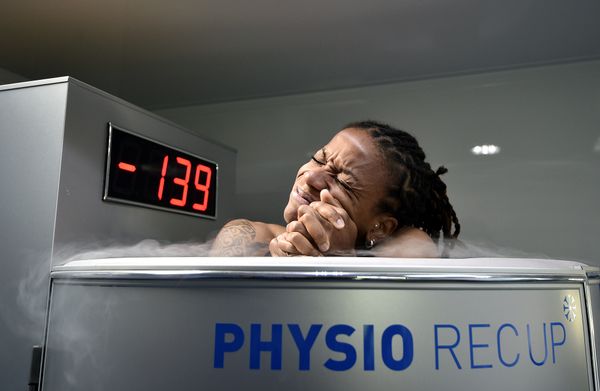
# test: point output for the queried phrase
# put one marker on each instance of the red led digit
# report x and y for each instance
(205, 187)
(182, 182)
(127, 167)
(161, 185)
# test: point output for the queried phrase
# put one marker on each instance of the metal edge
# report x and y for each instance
(107, 162)
(45, 334)
(217, 175)
(106, 197)
(34, 83)
(591, 335)
(593, 276)
(340, 275)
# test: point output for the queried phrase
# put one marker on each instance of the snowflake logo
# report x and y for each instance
(569, 308)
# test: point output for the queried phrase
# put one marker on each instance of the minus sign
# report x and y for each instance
(127, 167)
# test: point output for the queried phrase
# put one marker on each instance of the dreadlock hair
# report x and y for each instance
(416, 196)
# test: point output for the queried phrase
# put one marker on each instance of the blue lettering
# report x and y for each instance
(516, 360)
(304, 344)
(407, 347)
(473, 346)
(555, 343)
(341, 347)
(222, 346)
(538, 363)
(257, 346)
(449, 347)
(369, 347)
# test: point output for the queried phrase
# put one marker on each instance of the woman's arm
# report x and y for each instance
(239, 238)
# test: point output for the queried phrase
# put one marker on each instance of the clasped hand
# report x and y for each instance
(322, 228)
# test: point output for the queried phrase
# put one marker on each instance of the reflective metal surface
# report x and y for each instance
(173, 334)
(414, 324)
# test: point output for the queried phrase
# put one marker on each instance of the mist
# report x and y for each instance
(145, 248)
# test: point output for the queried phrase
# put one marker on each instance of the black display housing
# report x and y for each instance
(144, 172)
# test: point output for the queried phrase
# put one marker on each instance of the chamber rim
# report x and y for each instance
(347, 268)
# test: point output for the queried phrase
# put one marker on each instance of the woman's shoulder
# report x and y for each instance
(243, 237)
(409, 242)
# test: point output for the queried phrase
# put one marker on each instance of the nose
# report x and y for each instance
(317, 178)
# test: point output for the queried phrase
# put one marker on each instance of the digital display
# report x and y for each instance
(143, 172)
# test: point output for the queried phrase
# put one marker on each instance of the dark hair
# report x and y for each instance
(416, 195)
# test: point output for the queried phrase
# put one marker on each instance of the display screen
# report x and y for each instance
(147, 173)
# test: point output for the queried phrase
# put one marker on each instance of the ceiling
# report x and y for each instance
(159, 53)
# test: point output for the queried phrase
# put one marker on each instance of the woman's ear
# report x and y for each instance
(383, 227)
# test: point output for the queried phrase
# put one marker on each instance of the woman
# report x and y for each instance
(368, 189)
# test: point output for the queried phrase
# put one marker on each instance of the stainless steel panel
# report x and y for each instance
(31, 126)
(157, 335)
(52, 155)
(593, 302)
(84, 220)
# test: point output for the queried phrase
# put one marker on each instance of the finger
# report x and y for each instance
(328, 198)
(314, 225)
(282, 247)
(299, 243)
(287, 247)
(275, 249)
(334, 215)
(296, 226)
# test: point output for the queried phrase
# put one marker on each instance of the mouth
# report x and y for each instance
(302, 197)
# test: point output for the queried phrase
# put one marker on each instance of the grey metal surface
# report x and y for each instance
(31, 129)
(52, 154)
(593, 304)
(83, 219)
(157, 335)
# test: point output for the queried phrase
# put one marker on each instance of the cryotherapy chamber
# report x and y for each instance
(151, 323)
(82, 169)
(329, 323)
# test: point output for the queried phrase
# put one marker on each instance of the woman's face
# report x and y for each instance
(351, 167)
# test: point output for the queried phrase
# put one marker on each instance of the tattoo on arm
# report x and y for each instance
(237, 241)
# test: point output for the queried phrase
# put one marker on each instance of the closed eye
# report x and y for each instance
(319, 162)
(345, 185)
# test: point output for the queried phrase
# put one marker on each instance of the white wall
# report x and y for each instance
(539, 195)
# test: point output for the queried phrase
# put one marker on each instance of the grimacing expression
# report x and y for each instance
(352, 168)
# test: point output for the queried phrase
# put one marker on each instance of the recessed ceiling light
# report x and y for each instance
(485, 149)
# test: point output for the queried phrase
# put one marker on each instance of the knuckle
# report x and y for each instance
(323, 206)
(295, 226)
(304, 209)
(304, 219)
(294, 236)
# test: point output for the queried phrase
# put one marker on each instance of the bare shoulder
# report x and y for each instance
(408, 243)
(243, 237)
